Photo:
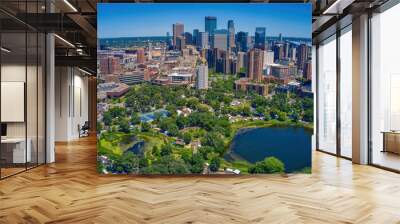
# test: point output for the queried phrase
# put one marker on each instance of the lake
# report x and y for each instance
(292, 145)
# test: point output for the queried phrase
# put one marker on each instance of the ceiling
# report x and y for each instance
(76, 21)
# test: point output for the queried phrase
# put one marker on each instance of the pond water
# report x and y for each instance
(149, 117)
(292, 145)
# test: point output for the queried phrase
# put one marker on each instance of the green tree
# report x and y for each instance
(197, 163)
(135, 119)
(282, 116)
(173, 129)
(308, 115)
(268, 165)
(187, 137)
(181, 122)
(145, 126)
(156, 151)
(107, 118)
(213, 140)
(124, 125)
(166, 150)
(126, 163)
(215, 164)
(167, 165)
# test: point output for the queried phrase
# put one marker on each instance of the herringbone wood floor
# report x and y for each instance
(70, 191)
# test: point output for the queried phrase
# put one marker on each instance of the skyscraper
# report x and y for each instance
(169, 42)
(195, 40)
(220, 39)
(202, 76)
(210, 24)
(188, 38)
(260, 38)
(302, 55)
(286, 49)
(203, 43)
(240, 61)
(307, 71)
(255, 59)
(178, 31)
(293, 54)
(149, 55)
(180, 43)
(268, 58)
(231, 30)
(278, 51)
(140, 58)
(242, 41)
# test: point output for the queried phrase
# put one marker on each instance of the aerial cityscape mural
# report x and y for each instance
(204, 88)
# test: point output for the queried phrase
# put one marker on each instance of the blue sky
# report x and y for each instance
(155, 19)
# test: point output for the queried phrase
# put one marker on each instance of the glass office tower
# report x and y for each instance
(210, 24)
(259, 40)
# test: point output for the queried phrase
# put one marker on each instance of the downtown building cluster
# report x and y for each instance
(186, 58)
(257, 60)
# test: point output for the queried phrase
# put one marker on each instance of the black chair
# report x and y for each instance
(84, 130)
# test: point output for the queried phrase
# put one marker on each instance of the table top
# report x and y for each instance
(13, 140)
(391, 132)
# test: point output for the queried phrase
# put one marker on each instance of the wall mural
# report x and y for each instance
(204, 88)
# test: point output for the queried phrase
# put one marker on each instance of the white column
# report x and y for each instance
(360, 90)
(50, 100)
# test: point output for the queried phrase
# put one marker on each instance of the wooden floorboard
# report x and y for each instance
(70, 191)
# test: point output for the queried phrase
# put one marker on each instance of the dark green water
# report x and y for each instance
(291, 145)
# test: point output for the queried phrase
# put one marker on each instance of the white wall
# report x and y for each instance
(71, 102)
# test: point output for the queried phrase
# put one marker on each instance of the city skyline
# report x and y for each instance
(275, 18)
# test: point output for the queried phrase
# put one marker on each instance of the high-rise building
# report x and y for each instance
(307, 71)
(250, 43)
(178, 31)
(280, 38)
(231, 31)
(196, 39)
(180, 43)
(293, 54)
(278, 51)
(240, 61)
(302, 55)
(202, 76)
(270, 57)
(169, 42)
(259, 40)
(255, 59)
(220, 39)
(203, 43)
(149, 55)
(188, 38)
(286, 48)
(242, 41)
(110, 65)
(140, 57)
(221, 61)
(210, 24)
(227, 62)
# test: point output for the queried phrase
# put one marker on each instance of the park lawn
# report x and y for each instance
(241, 165)
(152, 139)
(108, 148)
